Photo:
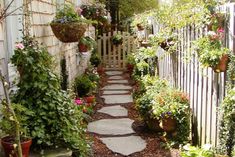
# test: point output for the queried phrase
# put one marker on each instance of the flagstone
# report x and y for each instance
(115, 92)
(120, 126)
(118, 81)
(125, 145)
(115, 77)
(117, 99)
(117, 87)
(110, 73)
(114, 111)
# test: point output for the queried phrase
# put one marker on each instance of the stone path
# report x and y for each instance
(118, 134)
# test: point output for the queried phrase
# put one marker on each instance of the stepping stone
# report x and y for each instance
(117, 87)
(120, 126)
(114, 111)
(110, 73)
(125, 145)
(115, 92)
(118, 81)
(115, 77)
(117, 99)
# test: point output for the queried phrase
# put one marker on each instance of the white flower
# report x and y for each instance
(207, 146)
(211, 33)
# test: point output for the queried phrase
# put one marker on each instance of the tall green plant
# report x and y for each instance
(56, 121)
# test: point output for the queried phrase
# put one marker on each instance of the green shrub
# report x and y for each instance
(192, 151)
(56, 120)
(83, 86)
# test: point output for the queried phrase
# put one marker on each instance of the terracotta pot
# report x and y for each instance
(9, 148)
(82, 47)
(100, 70)
(130, 68)
(89, 99)
(222, 66)
(140, 27)
(153, 124)
(168, 124)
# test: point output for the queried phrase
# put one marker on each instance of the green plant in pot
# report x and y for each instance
(211, 52)
(117, 39)
(95, 60)
(86, 43)
(68, 25)
(83, 86)
(15, 143)
(130, 63)
(55, 120)
(172, 108)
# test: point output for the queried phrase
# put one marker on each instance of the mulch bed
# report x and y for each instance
(154, 147)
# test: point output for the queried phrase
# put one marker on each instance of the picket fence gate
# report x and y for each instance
(206, 89)
(114, 57)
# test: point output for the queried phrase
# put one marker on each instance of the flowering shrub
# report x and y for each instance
(68, 14)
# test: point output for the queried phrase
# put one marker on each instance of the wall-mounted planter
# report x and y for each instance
(222, 66)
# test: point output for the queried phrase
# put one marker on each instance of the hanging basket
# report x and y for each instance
(68, 32)
(222, 65)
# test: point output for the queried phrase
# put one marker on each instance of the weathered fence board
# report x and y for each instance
(206, 88)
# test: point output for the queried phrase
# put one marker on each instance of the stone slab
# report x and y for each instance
(115, 77)
(110, 73)
(117, 87)
(58, 152)
(114, 111)
(120, 126)
(125, 145)
(115, 92)
(117, 99)
(118, 81)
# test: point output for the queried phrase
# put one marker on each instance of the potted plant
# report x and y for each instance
(117, 39)
(130, 63)
(95, 59)
(205, 151)
(86, 43)
(211, 51)
(83, 86)
(68, 25)
(14, 144)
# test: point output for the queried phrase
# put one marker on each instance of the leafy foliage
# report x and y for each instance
(83, 86)
(56, 120)
(227, 127)
(191, 151)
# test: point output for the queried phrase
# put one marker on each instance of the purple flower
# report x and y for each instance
(78, 101)
(19, 46)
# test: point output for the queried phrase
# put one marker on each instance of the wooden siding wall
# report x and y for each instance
(206, 88)
(43, 12)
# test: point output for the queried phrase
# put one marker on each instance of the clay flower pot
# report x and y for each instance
(168, 124)
(82, 47)
(89, 99)
(130, 68)
(222, 65)
(7, 144)
(153, 124)
(140, 27)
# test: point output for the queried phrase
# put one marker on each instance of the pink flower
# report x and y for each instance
(78, 101)
(220, 30)
(79, 10)
(19, 46)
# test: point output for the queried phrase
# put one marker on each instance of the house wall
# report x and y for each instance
(43, 12)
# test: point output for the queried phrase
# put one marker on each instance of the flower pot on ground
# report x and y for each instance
(85, 44)
(168, 124)
(130, 68)
(153, 124)
(89, 99)
(95, 59)
(100, 70)
(68, 25)
(9, 149)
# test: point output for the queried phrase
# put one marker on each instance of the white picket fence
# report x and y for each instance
(114, 57)
(206, 88)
